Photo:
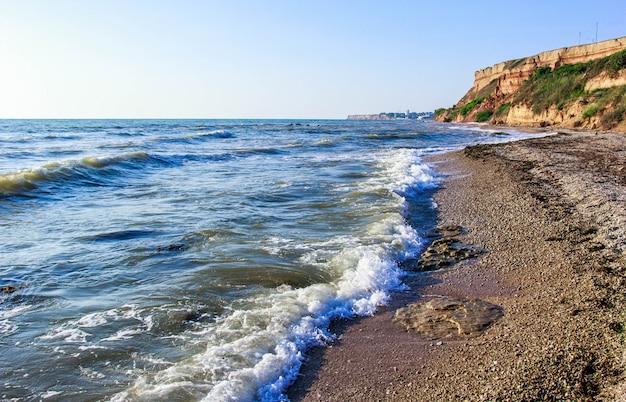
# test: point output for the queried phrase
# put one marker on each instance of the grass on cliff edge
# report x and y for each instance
(546, 87)
(566, 83)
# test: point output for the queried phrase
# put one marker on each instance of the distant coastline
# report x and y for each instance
(393, 116)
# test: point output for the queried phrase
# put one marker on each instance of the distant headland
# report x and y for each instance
(393, 116)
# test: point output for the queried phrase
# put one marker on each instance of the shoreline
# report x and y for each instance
(550, 213)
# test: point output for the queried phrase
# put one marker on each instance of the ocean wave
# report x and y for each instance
(119, 235)
(254, 350)
(326, 142)
(104, 161)
(401, 172)
(213, 134)
(258, 151)
(196, 137)
(85, 170)
(37, 136)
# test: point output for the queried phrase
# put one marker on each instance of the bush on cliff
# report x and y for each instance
(470, 106)
(590, 111)
(611, 104)
(452, 115)
(483, 116)
(541, 71)
(503, 109)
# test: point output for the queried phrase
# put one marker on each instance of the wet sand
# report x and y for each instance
(551, 214)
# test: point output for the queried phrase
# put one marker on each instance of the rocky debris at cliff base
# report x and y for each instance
(445, 252)
(445, 317)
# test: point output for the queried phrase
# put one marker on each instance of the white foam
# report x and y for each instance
(7, 326)
(70, 335)
(90, 373)
(406, 172)
(93, 320)
(50, 394)
(126, 333)
(281, 246)
(76, 331)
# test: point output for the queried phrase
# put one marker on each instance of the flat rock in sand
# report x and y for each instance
(445, 252)
(444, 317)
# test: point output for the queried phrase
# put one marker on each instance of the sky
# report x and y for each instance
(295, 59)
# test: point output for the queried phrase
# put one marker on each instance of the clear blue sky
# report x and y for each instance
(270, 59)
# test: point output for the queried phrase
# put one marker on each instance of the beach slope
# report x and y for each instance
(550, 214)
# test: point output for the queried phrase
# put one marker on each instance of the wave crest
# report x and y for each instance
(72, 171)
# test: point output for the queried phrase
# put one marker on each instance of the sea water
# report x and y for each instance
(190, 260)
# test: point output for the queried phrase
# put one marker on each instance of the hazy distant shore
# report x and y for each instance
(550, 211)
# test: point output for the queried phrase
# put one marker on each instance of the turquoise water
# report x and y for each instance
(198, 259)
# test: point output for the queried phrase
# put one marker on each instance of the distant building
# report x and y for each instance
(393, 116)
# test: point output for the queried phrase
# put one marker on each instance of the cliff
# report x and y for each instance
(583, 82)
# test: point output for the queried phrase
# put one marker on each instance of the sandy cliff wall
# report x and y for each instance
(511, 74)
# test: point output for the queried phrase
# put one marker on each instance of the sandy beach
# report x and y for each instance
(548, 216)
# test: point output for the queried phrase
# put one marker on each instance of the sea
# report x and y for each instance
(198, 260)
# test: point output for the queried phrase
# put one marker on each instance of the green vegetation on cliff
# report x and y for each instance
(546, 87)
(470, 106)
(503, 109)
(485, 115)
(440, 111)
(615, 98)
(611, 64)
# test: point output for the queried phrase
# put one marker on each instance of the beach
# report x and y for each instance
(548, 217)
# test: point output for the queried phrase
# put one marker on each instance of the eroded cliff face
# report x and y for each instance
(522, 115)
(499, 84)
(604, 80)
(511, 74)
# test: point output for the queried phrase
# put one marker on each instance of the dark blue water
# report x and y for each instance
(198, 259)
